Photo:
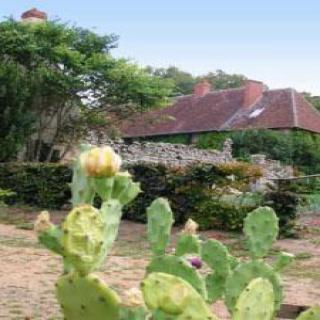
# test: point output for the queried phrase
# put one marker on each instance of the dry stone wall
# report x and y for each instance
(183, 155)
(169, 154)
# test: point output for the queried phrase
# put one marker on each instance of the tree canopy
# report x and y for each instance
(57, 81)
(185, 81)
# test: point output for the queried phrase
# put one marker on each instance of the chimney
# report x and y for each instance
(252, 93)
(34, 16)
(202, 88)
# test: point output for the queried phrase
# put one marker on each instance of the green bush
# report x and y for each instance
(295, 147)
(190, 192)
(37, 184)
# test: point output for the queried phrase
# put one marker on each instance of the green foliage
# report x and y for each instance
(41, 185)
(175, 139)
(294, 147)
(184, 81)
(15, 117)
(6, 195)
(61, 77)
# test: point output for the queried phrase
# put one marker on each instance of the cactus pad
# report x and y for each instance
(111, 215)
(86, 298)
(84, 238)
(188, 244)
(180, 268)
(215, 285)
(261, 230)
(160, 220)
(216, 255)
(255, 302)
(283, 260)
(124, 189)
(311, 314)
(174, 296)
(52, 239)
(133, 313)
(243, 274)
(81, 188)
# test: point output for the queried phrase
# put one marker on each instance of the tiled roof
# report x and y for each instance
(34, 13)
(223, 110)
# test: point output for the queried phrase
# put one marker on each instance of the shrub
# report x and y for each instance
(190, 192)
(42, 185)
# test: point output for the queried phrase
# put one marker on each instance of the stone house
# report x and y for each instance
(252, 106)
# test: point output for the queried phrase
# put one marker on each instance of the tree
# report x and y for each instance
(314, 100)
(223, 80)
(65, 80)
(184, 81)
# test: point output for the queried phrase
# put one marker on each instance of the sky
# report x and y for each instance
(275, 41)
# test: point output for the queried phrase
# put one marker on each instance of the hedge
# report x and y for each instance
(190, 190)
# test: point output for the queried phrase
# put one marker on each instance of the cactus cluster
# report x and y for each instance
(87, 234)
(174, 287)
(229, 277)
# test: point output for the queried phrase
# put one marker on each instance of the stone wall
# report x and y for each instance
(169, 154)
(273, 169)
(183, 155)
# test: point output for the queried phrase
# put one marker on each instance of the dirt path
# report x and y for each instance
(28, 272)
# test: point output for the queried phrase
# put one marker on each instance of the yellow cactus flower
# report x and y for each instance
(101, 162)
(190, 227)
(43, 223)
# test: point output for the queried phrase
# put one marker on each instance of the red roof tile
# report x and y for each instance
(34, 13)
(223, 110)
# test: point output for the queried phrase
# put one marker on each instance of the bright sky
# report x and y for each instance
(276, 41)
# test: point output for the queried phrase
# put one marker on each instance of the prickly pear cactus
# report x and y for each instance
(124, 189)
(180, 268)
(81, 189)
(261, 230)
(84, 238)
(255, 302)
(216, 255)
(160, 221)
(188, 244)
(243, 274)
(175, 297)
(283, 260)
(86, 298)
(311, 314)
(48, 234)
